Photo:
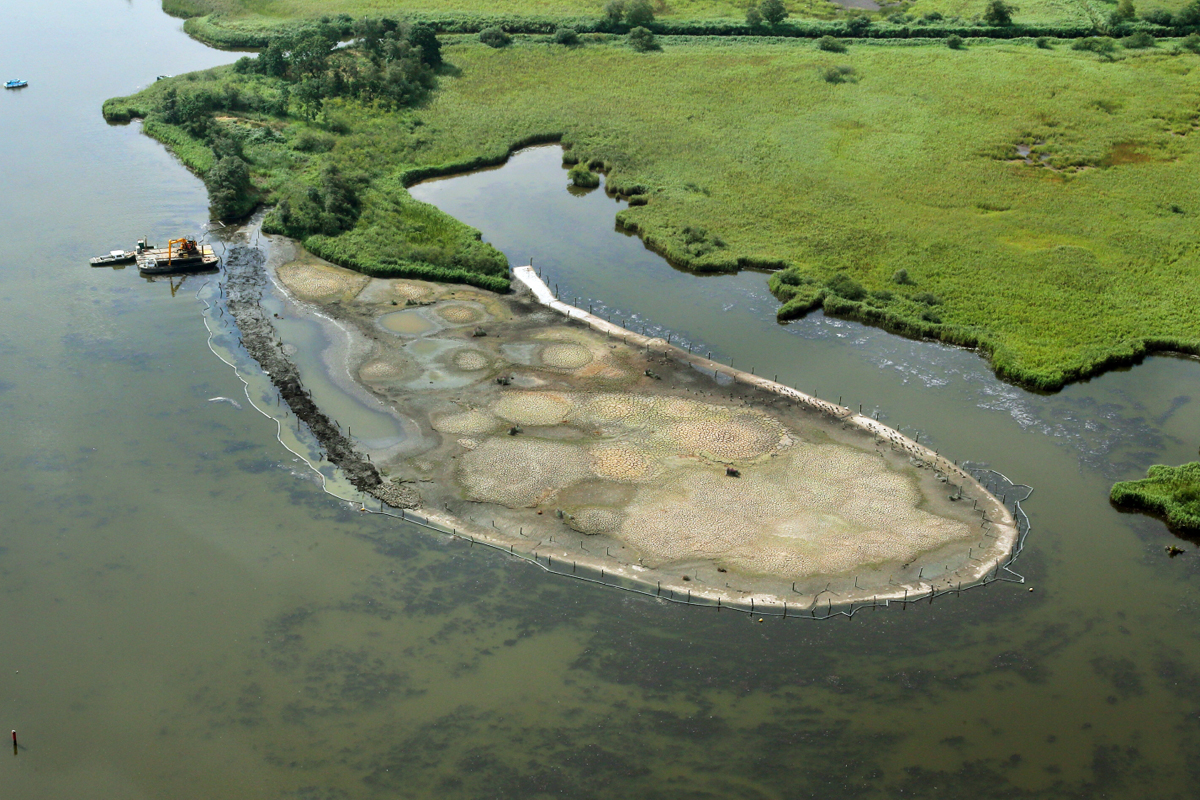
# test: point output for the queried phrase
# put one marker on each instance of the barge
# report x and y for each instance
(180, 255)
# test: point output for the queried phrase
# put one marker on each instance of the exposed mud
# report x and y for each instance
(244, 283)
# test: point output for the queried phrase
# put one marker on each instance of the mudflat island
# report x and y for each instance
(544, 430)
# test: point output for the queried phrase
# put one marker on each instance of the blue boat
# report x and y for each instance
(15, 84)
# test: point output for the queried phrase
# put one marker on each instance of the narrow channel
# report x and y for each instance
(189, 615)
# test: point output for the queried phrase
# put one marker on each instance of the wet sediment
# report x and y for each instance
(245, 279)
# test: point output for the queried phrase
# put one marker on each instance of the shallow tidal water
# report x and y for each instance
(188, 615)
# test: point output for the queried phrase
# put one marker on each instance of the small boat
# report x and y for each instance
(113, 257)
(180, 255)
(15, 84)
(121, 256)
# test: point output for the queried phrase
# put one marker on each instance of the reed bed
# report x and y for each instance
(1058, 262)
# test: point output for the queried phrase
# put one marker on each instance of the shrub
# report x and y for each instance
(229, 188)
(1188, 15)
(495, 37)
(614, 11)
(313, 142)
(1102, 46)
(642, 40)
(900, 276)
(933, 16)
(955, 42)
(423, 38)
(789, 277)
(698, 242)
(583, 177)
(831, 45)
(998, 13)
(927, 299)
(566, 36)
(1138, 41)
(1043, 43)
(639, 12)
(843, 74)
(1191, 43)
(858, 25)
(1159, 16)
(753, 17)
(773, 11)
(843, 285)
(1125, 12)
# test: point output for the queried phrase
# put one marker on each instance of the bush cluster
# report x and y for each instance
(392, 63)
(616, 19)
(566, 36)
(330, 207)
(629, 12)
(842, 74)
(495, 37)
(584, 178)
(642, 40)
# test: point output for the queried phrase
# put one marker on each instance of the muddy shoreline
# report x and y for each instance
(245, 279)
(410, 356)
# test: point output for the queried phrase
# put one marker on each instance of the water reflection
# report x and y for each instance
(187, 614)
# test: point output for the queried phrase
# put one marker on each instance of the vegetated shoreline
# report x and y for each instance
(1169, 493)
(1129, 354)
(218, 30)
(904, 318)
(828, 302)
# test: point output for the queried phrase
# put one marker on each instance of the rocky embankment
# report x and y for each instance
(245, 279)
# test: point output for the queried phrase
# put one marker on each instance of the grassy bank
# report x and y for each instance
(1170, 492)
(257, 32)
(912, 12)
(253, 23)
(742, 153)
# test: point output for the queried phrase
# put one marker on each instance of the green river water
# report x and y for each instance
(187, 614)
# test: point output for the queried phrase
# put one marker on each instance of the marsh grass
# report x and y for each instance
(1171, 492)
(1055, 270)
(919, 13)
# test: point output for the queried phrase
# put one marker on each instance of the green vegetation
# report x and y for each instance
(1058, 262)
(1172, 492)
(642, 40)
(583, 177)
(495, 37)
(252, 23)
(831, 45)
(772, 12)
(997, 12)
(840, 74)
